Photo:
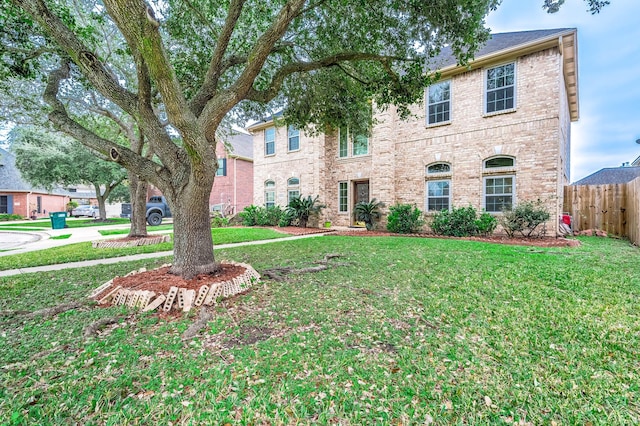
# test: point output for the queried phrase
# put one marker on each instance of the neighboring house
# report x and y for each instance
(18, 197)
(611, 176)
(636, 162)
(489, 135)
(233, 186)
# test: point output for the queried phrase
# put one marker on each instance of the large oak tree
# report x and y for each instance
(202, 64)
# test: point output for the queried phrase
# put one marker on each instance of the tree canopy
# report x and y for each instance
(48, 160)
(184, 71)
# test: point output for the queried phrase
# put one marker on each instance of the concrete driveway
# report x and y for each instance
(12, 240)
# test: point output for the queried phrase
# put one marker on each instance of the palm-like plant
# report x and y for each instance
(302, 208)
(368, 212)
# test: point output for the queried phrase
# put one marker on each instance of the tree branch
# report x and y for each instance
(216, 65)
(217, 108)
(296, 67)
(146, 169)
(92, 67)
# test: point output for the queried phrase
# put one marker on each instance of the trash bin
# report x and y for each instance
(58, 220)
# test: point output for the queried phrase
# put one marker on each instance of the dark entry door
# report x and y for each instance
(361, 191)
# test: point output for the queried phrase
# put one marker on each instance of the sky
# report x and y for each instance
(608, 75)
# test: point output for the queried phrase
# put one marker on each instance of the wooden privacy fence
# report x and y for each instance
(614, 208)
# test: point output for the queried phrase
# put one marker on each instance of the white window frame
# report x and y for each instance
(344, 184)
(268, 142)
(269, 189)
(442, 102)
(293, 189)
(427, 197)
(350, 141)
(486, 89)
(485, 195)
(293, 133)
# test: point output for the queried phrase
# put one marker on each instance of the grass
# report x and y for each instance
(83, 251)
(409, 331)
(126, 231)
(71, 223)
(61, 237)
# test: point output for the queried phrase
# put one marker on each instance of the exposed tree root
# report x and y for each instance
(277, 274)
(204, 317)
(55, 310)
(93, 328)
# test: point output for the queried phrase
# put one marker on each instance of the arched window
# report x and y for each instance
(495, 162)
(269, 193)
(293, 189)
(438, 168)
(499, 184)
(438, 189)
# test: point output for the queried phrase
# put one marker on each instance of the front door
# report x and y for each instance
(361, 191)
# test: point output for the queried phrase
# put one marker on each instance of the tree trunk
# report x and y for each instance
(101, 202)
(138, 191)
(193, 244)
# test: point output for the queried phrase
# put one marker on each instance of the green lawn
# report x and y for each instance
(126, 230)
(71, 223)
(83, 251)
(408, 331)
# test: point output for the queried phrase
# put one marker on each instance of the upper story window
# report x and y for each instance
(501, 92)
(359, 143)
(293, 138)
(270, 141)
(439, 103)
(222, 167)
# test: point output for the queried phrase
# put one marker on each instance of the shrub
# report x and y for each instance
(404, 219)
(261, 216)
(217, 221)
(459, 222)
(301, 209)
(368, 213)
(526, 219)
(463, 222)
(249, 215)
(269, 216)
(5, 217)
(286, 219)
(486, 224)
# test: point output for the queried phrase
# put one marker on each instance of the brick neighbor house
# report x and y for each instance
(488, 135)
(18, 197)
(232, 189)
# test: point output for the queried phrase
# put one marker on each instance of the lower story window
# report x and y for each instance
(438, 195)
(293, 193)
(499, 192)
(342, 197)
(4, 204)
(269, 198)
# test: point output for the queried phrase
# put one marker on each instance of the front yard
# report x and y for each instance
(400, 331)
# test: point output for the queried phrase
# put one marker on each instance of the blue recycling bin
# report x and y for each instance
(58, 220)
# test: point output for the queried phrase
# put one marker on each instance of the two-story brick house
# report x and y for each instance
(488, 135)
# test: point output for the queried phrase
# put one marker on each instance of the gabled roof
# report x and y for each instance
(508, 46)
(241, 145)
(11, 180)
(636, 162)
(610, 176)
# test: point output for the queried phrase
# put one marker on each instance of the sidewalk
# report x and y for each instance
(87, 263)
(40, 239)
